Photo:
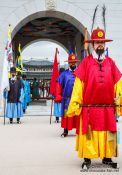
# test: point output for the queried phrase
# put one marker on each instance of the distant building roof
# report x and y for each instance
(37, 63)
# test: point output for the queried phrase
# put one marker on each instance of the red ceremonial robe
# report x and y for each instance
(98, 89)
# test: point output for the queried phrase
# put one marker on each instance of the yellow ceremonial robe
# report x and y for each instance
(100, 144)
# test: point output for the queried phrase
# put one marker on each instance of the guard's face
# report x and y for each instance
(72, 65)
(99, 47)
(13, 74)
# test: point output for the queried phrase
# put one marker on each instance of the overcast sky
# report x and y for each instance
(44, 49)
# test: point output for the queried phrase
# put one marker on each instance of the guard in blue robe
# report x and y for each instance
(29, 92)
(14, 97)
(26, 93)
(65, 83)
(66, 80)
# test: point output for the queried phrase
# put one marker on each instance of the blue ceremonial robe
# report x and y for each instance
(14, 100)
(29, 91)
(66, 80)
(57, 109)
(26, 94)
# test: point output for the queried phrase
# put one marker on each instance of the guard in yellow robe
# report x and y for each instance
(98, 83)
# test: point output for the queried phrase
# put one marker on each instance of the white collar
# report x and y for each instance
(71, 69)
(13, 78)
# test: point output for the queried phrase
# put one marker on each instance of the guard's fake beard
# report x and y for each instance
(13, 75)
(73, 67)
(99, 51)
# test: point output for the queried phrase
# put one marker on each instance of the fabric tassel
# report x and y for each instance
(89, 133)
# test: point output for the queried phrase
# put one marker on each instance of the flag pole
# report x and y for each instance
(7, 63)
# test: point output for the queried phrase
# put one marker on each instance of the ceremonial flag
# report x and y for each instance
(55, 74)
(19, 65)
(9, 51)
(5, 76)
(7, 63)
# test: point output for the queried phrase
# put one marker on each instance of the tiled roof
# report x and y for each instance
(37, 63)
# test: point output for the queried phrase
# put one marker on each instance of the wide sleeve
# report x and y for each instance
(116, 73)
(74, 108)
(118, 97)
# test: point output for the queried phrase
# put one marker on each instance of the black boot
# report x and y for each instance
(18, 120)
(86, 163)
(65, 133)
(11, 120)
(23, 110)
(108, 161)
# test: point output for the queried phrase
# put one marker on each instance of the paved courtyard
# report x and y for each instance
(35, 147)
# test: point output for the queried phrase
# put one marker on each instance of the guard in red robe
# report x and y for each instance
(98, 83)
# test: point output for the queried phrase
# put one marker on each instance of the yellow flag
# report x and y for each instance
(19, 59)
